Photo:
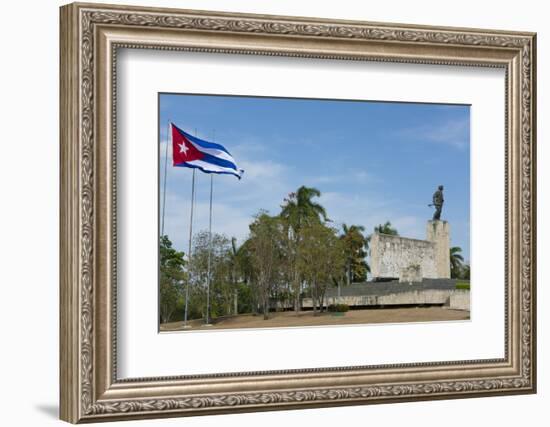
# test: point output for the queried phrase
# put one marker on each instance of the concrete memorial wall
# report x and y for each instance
(410, 260)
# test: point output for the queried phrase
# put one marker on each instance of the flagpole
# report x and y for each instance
(185, 316)
(209, 254)
(209, 279)
(189, 251)
(168, 138)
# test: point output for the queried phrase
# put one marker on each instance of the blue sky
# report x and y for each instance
(372, 161)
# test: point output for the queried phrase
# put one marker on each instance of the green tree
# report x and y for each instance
(386, 229)
(247, 301)
(298, 209)
(456, 260)
(321, 260)
(265, 250)
(221, 289)
(240, 278)
(355, 245)
(172, 277)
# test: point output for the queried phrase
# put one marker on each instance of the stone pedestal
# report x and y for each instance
(439, 233)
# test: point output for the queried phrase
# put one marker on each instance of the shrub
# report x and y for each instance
(339, 308)
(461, 284)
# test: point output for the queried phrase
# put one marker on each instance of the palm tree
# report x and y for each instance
(465, 273)
(298, 210)
(456, 261)
(298, 207)
(386, 229)
(355, 244)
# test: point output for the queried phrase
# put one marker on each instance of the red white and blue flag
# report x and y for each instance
(191, 152)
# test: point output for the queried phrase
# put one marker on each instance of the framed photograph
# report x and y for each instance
(266, 212)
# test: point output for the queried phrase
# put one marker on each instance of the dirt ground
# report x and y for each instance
(306, 318)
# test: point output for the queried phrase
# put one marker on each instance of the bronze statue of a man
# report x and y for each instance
(438, 202)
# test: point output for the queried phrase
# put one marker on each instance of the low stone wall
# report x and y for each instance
(453, 298)
(460, 300)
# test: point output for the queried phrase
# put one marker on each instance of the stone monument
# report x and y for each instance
(411, 260)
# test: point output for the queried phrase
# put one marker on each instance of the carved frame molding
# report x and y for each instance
(90, 37)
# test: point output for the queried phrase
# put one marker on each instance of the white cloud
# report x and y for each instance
(264, 186)
(229, 220)
(235, 202)
(349, 176)
(454, 133)
(258, 170)
(369, 212)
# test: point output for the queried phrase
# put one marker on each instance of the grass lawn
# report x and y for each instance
(306, 318)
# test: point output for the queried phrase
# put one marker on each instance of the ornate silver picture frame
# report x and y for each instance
(91, 36)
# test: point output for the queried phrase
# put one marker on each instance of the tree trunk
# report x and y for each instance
(296, 293)
(322, 301)
(266, 307)
(314, 298)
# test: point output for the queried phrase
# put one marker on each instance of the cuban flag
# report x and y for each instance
(191, 152)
